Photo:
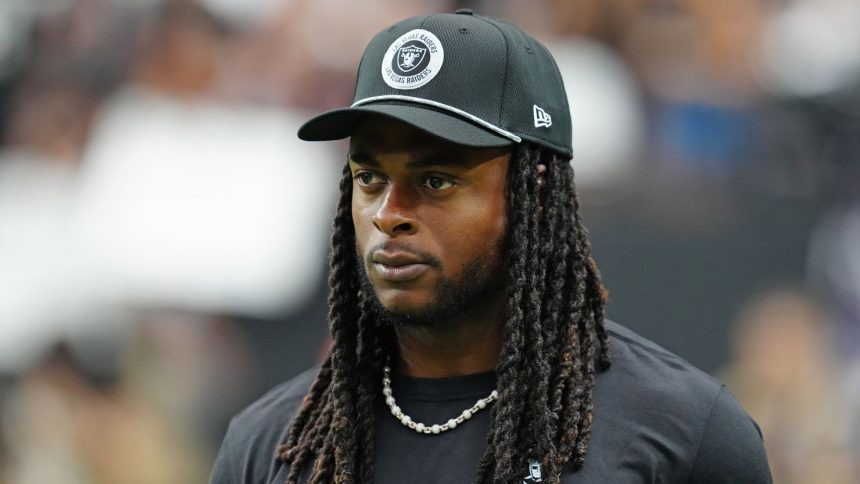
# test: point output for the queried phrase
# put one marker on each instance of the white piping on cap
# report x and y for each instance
(470, 117)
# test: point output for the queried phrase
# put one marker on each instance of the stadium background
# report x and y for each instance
(163, 233)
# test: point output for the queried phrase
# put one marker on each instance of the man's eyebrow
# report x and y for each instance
(363, 159)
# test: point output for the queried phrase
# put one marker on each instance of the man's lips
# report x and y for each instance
(398, 266)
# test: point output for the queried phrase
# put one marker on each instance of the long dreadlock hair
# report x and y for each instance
(554, 342)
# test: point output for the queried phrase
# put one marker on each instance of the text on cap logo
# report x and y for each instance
(412, 60)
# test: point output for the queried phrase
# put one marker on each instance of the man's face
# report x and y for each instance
(429, 218)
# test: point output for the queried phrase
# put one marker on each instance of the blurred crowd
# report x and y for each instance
(163, 233)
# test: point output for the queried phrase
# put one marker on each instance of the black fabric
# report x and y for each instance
(491, 70)
(657, 419)
(533, 79)
(340, 123)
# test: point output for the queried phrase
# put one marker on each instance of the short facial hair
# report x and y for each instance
(479, 279)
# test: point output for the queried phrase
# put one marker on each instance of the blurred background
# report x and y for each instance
(163, 233)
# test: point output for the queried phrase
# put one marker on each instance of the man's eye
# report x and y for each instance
(366, 178)
(437, 183)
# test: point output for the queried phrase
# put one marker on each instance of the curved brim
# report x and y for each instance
(340, 123)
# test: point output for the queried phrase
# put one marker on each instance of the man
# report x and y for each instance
(466, 313)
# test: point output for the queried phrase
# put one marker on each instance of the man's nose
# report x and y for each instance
(396, 212)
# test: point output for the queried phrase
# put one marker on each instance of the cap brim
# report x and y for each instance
(340, 123)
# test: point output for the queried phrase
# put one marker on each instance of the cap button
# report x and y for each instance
(464, 11)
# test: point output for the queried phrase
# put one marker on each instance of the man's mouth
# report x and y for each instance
(398, 266)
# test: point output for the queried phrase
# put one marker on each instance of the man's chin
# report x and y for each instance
(402, 301)
(403, 311)
(437, 303)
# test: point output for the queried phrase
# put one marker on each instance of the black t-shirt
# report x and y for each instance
(657, 419)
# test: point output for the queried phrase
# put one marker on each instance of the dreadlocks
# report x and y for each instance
(554, 342)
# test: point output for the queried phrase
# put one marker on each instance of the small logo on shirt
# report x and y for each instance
(542, 118)
(534, 470)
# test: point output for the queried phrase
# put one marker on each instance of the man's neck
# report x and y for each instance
(463, 347)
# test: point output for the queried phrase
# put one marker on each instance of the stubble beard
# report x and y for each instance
(480, 280)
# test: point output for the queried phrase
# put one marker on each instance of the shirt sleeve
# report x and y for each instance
(731, 449)
(228, 466)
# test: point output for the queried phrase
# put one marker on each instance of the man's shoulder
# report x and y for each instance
(278, 404)
(648, 380)
(655, 367)
(651, 398)
(247, 453)
(625, 336)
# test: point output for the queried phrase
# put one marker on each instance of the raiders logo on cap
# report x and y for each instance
(412, 60)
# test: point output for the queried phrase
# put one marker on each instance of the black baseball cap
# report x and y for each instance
(472, 80)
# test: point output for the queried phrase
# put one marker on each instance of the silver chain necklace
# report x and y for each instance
(430, 429)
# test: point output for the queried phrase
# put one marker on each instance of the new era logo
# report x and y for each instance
(542, 118)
